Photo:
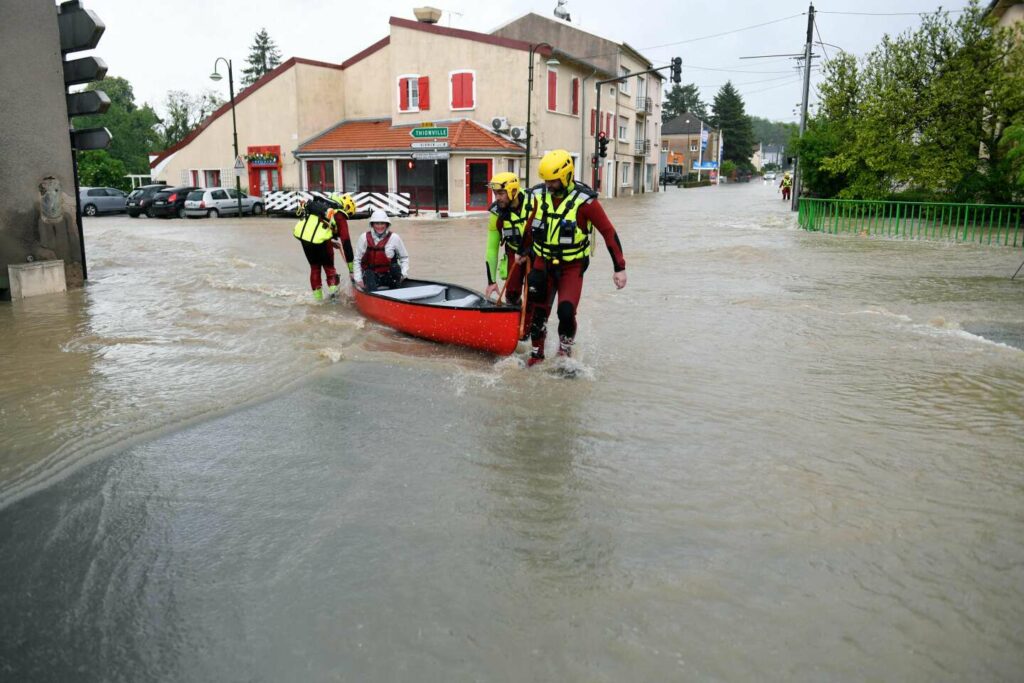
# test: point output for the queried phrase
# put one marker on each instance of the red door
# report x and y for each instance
(478, 174)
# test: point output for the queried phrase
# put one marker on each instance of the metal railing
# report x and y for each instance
(642, 148)
(643, 104)
(1001, 224)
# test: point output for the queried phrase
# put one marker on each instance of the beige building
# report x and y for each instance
(681, 140)
(307, 124)
(630, 110)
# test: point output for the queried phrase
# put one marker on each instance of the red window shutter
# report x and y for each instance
(424, 93)
(608, 125)
(216, 178)
(552, 90)
(403, 94)
(467, 90)
(456, 91)
(575, 96)
(593, 115)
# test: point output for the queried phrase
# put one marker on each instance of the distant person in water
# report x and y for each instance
(381, 259)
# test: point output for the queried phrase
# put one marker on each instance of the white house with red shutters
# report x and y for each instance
(358, 126)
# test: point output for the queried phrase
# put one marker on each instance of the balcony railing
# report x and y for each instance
(642, 148)
(643, 105)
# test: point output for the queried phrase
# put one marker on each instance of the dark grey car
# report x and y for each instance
(96, 200)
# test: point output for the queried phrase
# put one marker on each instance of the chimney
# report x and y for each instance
(427, 15)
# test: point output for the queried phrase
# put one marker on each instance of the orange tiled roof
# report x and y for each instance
(365, 136)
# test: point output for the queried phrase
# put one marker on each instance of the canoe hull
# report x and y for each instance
(488, 328)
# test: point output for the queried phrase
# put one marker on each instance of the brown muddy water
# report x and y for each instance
(785, 456)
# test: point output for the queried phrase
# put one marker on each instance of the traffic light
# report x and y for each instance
(677, 69)
(80, 29)
(602, 145)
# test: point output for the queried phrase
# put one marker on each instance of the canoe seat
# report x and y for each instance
(464, 302)
(412, 293)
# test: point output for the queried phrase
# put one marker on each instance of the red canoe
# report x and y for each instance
(444, 313)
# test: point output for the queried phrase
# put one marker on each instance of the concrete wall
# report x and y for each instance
(368, 93)
(33, 113)
(534, 28)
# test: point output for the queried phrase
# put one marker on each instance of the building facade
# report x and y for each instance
(349, 126)
(630, 110)
(690, 142)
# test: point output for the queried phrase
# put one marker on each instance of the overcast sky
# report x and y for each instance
(172, 44)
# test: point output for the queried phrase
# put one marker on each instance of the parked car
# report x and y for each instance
(95, 200)
(670, 177)
(220, 201)
(170, 202)
(141, 199)
(770, 175)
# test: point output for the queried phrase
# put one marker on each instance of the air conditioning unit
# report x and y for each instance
(499, 123)
(517, 132)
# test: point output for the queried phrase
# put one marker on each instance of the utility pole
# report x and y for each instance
(797, 172)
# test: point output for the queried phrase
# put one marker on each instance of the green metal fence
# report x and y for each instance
(1001, 224)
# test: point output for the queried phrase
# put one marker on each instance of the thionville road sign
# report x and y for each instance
(434, 132)
(430, 155)
(433, 144)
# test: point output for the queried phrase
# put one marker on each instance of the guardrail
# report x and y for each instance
(642, 148)
(1001, 224)
(643, 105)
(394, 203)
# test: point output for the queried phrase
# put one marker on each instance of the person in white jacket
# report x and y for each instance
(381, 259)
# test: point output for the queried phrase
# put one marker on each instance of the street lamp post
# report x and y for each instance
(234, 125)
(529, 99)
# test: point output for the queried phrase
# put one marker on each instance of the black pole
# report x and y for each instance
(437, 190)
(796, 187)
(78, 208)
(234, 130)
(597, 135)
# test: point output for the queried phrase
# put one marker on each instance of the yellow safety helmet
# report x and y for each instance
(506, 181)
(348, 205)
(557, 165)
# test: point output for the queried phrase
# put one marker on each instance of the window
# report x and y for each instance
(235, 194)
(413, 93)
(693, 146)
(462, 88)
(623, 125)
(218, 194)
(552, 90)
(510, 165)
(195, 178)
(368, 176)
(575, 98)
(211, 178)
(624, 84)
(625, 174)
(320, 176)
(98, 192)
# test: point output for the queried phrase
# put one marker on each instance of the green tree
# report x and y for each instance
(772, 132)
(263, 56)
(682, 99)
(730, 116)
(98, 168)
(184, 112)
(132, 128)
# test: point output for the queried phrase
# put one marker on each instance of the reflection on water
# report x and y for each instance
(785, 456)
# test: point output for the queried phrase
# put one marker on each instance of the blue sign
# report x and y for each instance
(705, 166)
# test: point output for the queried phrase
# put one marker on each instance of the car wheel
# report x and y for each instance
(257, 209)
(149, 212)
(213, 213)
(181, 212)
(133, 214)
(89, 210)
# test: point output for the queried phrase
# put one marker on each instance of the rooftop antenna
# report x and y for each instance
(561, 12)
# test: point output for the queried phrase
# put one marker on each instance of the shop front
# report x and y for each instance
(264, 168)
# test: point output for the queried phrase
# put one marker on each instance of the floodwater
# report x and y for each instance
(784, 456)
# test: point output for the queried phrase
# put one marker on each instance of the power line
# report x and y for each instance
(820, 40)
(772, 87)
(893, 14)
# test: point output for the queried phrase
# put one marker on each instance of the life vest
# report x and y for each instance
(557, 235)
(375, 258)
(787, 182)
(313, 229)
(512, 223)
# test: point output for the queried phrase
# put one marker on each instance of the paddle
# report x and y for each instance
(525, 293)
(511, 270)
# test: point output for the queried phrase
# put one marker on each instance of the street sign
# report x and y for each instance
(90, 138)
(435, 132)
(420, 156)
(80, 29)
(87, 102)
(239, 164)
(433, 144)
(84, 70)
(705, 165)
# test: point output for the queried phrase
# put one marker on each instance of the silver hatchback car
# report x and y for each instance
(220, 201)
(96, 200)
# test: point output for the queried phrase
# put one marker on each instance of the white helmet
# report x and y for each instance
(379, 216)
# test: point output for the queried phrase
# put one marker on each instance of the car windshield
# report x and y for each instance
(195, 195)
